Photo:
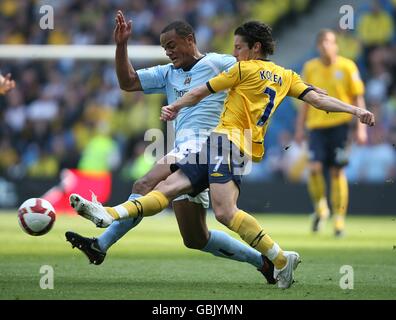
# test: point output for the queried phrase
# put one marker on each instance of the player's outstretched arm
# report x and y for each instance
(330, 104)
(127, 76)
(317, 89)
(6, 84)
(192, 97)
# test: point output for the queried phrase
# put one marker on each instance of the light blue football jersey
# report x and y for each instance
(201, 118)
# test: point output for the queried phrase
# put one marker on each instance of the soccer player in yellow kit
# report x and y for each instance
(256, 88)
(328, 133)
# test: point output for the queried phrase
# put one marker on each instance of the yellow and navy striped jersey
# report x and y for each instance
(256, 88)
(341, 80)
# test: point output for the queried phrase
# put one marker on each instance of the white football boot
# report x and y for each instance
(91, 210)
(285, 275)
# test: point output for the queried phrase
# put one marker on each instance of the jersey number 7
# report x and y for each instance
(267, 111)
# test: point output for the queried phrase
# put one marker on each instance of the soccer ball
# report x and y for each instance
(36, 216)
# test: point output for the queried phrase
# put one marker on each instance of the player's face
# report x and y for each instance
(241, 49)
(328, 45)
(179, 50)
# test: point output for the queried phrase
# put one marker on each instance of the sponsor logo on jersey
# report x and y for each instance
(187, 80)
(179, 93)
(216, 174)
(339, 74)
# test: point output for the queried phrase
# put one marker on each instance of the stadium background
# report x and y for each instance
(59, 106)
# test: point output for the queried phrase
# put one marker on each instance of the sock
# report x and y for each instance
(148, 205)
(223, 245)
(118, 229)
(251, 232)
(339, 199)
(317, 191)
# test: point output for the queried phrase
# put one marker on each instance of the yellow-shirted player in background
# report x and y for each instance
(328, 133)
(256, 88)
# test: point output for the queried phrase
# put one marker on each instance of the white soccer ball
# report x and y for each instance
(36, 216)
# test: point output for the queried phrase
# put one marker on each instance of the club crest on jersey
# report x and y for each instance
(187, 80)
(339, 74)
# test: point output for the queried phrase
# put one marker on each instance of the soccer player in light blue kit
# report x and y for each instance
(189, 69)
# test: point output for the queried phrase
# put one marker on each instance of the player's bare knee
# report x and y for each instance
(192, 243)
(316, 168)
(142, 186)
(223, 215)
(336, 172)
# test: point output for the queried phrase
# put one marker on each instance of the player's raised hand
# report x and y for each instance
(168, 113)
(365, 117)
(122, 29)
(6, 84)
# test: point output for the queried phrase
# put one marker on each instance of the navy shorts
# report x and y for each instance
(328, 146)
(219, 161)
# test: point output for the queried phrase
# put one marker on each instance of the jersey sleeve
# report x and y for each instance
(225, 80)
(227, 61)
(153, 79)
(298, 89)
(356, 85)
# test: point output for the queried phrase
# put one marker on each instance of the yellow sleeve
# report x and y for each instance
(356, 85)
(226, 79)
(297, 87)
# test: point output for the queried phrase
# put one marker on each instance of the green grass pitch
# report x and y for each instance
(151, 262)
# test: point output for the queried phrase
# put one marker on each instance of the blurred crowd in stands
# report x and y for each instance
(48, 122)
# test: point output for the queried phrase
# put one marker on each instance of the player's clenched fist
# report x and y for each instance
(168, 113)
(365, 117)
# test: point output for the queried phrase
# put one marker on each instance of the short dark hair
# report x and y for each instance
(182, 28)
(322, 33)
(255, 31)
